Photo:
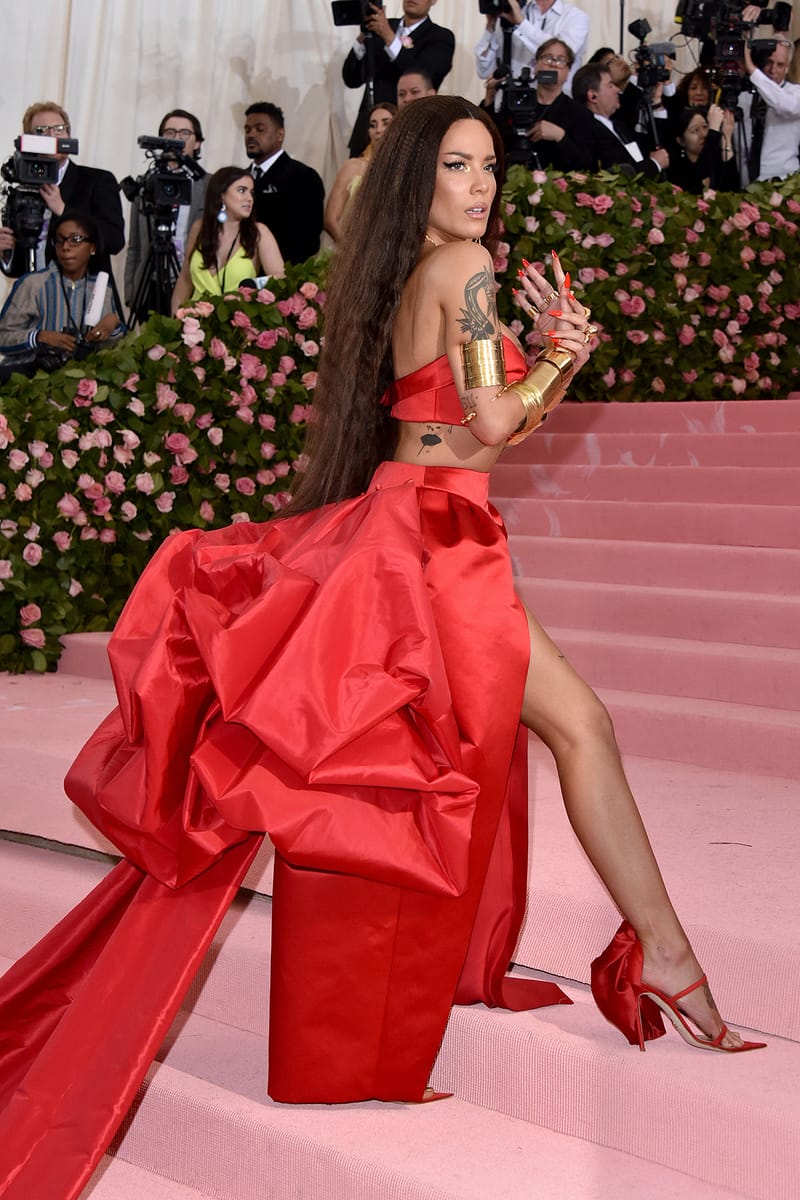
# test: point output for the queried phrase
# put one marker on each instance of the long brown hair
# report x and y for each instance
(208, 238)
(351, 431)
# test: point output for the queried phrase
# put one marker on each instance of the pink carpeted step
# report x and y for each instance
(658, 564)
(707, 733)
(658, 449)
(85, 654)
(762, 675)
(629, 484)
(670, 521)
(694, 416)
(116, 1179)
(752, 619)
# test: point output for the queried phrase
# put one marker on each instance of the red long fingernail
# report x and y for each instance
(567, 281)
(525, 263)
(514, 292)
(520, 273)
(553, 312)
(554, 254)
(555, 336)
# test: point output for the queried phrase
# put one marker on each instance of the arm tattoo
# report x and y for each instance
(479, 321)
(469, 402)
(428, 440)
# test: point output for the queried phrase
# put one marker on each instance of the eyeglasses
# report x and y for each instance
(181, 134)
(44, 130)
(554, 60)
(71, 239)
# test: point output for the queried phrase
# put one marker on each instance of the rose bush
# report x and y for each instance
(194, 421)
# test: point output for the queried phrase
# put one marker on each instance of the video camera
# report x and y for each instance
(651, 61)
(721, 23)
(494, 8)
(162, 188)
(32, 164)
(353, 12)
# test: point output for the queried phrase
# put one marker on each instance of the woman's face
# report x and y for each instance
(698, 93)
(73, 256)
(238, 198)
(465, 183)
(694, 137)
(379, 122)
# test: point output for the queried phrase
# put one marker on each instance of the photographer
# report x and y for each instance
(93, 191)
(530, 25)
(43, 322)
(613, 143)
(559, 131)
(176, 125)
(771, 125)
(388, 48)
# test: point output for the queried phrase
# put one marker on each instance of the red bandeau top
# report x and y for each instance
(429, 393)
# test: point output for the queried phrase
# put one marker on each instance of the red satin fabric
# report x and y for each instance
(430, 394)
(617, 984)
(349, 680)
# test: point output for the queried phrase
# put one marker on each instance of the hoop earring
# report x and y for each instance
(222, 215)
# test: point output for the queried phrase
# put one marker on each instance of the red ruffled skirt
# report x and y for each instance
(349, 681)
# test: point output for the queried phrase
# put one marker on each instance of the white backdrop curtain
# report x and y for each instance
(118, 65)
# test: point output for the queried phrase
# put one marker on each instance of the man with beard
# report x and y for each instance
(289, 195)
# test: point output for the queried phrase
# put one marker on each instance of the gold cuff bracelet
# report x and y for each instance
(541, 389)
(483, 363)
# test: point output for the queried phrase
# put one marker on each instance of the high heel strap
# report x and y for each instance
(691, 988)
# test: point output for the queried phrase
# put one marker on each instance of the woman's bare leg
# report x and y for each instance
(572, 722)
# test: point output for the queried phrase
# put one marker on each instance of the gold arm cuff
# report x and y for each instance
(483, 363)
(541, 389)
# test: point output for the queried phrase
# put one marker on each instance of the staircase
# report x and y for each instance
(660, 546)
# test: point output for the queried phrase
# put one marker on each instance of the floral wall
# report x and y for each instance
(200, 421)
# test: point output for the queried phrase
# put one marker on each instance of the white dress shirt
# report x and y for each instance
(394, 47)
(562, 20)
(779, 150)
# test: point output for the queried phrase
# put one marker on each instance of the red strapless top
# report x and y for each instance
(429, 393)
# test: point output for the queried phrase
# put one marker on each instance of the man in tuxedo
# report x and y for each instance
(289, 196)
(613, 144)
(84, 189)
(394, 48)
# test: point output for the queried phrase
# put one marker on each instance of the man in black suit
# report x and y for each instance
(394, 48)
(289, 196)
(613, 143)
(84, 189)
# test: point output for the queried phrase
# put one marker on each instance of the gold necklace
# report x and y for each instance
(432, 242)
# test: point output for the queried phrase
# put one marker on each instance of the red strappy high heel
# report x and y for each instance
(636, 1007)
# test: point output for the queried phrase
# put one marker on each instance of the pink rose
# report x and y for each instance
(204, 307)
(87, 388)
(633, 307)
(192, 334)
(308, 316)
(32, 554)
(37, 449)
(144, 483)
(130, 383)
(310, 349)
(686, 335)
(23, 493)
(156, 352)
(165, 501)
(637, 336)
(309, 290)
(69, 458)
(178, 475)
(215, 435)
(252, 367)
(222, 481)
(602, 203)
(183, 412)
(75, 588)
(265, 478)
(240, 320)
(286, 364)
(266, 421)
(655, 237)
(101, 415)
(267, 339)
(6, 570)
(67, 432)
(268, 450)
(309, 378)
(102, 506)
(658, 385)
(206, 511)
(204, 420)
(29, 614)
(62, 540)
(108, 536)
(218, 349)
(298, 414)
(281, 469)
(265, 296)
(195, 354)
(245, 486)
(277, 379)
(17, 459)
(176, 442)
(69, 506)
(127, 510)
(33, 637)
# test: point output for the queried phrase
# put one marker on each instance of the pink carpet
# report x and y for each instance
(660, 544)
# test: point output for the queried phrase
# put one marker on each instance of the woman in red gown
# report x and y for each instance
(357, 680)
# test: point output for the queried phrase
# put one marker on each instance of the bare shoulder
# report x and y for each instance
(454, 264)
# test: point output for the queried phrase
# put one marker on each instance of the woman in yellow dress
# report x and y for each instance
(347, 182)
(226, 245)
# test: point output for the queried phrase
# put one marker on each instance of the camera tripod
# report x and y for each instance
(160, 269)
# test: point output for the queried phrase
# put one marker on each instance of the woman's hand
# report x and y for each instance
(558, 315)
